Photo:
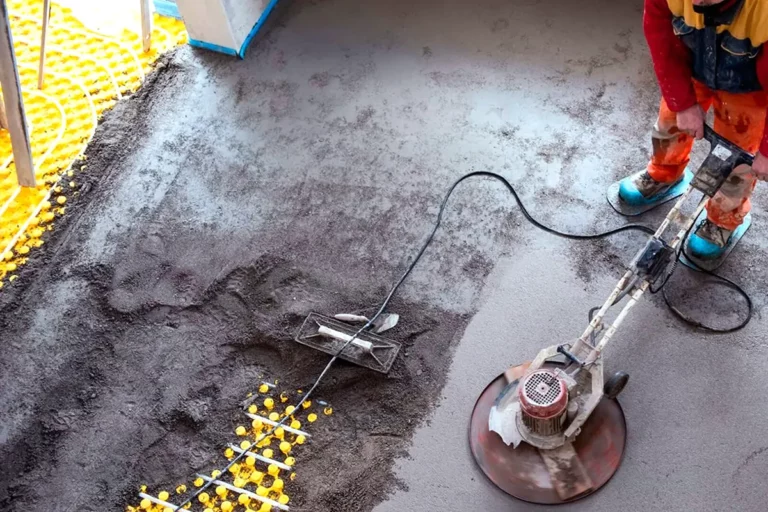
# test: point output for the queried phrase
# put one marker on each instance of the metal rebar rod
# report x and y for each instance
(43, 38)
(274, 423)
(158, 501)
(265, 460)
(248, 493)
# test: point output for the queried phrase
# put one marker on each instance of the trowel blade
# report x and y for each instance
(523, 472)
(382, 323)
(385, 322)
(569, 478)
(503, 416)
(504, 422)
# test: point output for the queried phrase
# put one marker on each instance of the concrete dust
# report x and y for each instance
(185, 265)
(227, 199)
(149, 365)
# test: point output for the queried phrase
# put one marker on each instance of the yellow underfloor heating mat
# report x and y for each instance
(86, 73)
(260, 479)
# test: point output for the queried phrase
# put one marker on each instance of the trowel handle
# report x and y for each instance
(332, 333)
(715, 139)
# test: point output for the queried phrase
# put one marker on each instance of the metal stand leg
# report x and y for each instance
(14, 104)
(146, 26)
(3, 117)
(43, 37)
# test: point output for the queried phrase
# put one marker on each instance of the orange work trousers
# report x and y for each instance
(739, 118)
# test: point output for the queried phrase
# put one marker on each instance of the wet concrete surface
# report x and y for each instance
(696, 434)
(696, 437)
(320, 162)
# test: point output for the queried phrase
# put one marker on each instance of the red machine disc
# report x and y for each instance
(521, 471)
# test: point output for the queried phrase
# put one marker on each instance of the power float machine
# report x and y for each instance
(551, 430)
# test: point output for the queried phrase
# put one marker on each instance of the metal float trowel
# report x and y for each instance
(367, 349)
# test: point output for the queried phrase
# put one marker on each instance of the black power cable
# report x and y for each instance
(725, 282)
(691, 264)
(412, 265)
(627, 227)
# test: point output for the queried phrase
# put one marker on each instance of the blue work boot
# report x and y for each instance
(709, 241)
(640, 189)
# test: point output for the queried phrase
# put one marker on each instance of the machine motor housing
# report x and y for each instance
(543, 402)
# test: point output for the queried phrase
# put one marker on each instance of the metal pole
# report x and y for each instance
(43, 37)
(3, 118)
(146, 26)
(14, 104)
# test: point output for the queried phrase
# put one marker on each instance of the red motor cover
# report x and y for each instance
(543, 395)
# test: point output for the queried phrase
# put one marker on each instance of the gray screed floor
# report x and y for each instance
(230, 198)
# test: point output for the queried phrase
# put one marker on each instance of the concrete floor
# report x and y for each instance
(697, 438)
(333, 143)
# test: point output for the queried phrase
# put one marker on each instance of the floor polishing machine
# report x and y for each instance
(551, 430)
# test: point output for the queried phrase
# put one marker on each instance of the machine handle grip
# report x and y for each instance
(567, 353)
(713, 138)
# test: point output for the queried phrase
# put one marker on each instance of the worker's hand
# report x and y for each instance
(691, 121)
(760, 166)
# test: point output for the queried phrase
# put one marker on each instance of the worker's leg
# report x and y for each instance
(671, 147)
(739, 118)
(671, 150)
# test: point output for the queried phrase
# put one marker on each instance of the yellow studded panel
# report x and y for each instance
(258, 482)
(86, 74)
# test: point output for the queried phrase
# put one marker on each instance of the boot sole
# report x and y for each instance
(713, 264)
(629, 210)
